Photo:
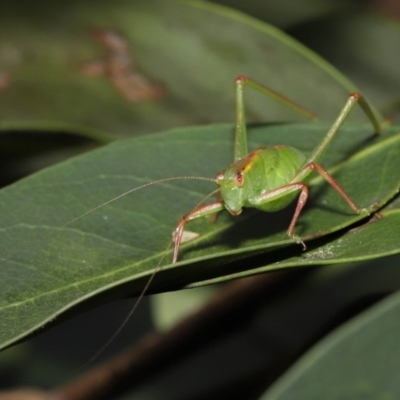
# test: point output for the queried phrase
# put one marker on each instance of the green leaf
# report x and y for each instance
(47, 268)
(366, 242)
(193, 49)
(353, 362)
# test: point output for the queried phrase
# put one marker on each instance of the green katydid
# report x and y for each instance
(270, 178)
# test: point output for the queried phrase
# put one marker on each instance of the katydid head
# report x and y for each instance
(233, 186)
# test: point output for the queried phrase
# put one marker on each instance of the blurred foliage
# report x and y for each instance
(79, 74)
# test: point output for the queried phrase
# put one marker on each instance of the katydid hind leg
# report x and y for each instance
(240, 144)
(351, 102)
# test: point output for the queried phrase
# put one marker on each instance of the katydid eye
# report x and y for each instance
(239, 179)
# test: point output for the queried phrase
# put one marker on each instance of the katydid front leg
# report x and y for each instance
(208, 209)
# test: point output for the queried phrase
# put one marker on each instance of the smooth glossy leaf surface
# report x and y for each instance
(47, 269)
(194, 50)
(366, 242)
(353, 362)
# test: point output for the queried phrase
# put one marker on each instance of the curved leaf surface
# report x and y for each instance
(47, 268)
(372, 239)
(194, 50)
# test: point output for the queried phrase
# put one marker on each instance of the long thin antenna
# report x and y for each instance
(145, 289)
(174, 178)
(131, 312)
(155, 270)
